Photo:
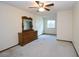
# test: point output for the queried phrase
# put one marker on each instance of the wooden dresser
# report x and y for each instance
(28, 34)
(27, 37)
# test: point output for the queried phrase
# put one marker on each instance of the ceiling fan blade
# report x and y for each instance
(47, 9)
(37, 2)
(48, 5)
(32, 7)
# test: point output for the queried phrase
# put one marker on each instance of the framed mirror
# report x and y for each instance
(26, 23)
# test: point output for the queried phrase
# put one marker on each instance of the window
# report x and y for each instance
(51, 24)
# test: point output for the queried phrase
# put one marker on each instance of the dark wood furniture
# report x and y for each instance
(28, 34)
(27, 37)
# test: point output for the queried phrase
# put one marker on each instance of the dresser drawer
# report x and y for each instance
(26, 37)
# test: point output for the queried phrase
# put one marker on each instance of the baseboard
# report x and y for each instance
(8, 48)
(64, 40)
(40, 34)
(72, 45)
(75, 49)
(48, 34)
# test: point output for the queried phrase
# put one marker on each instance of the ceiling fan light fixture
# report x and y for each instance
(42, 1)
(41, 9)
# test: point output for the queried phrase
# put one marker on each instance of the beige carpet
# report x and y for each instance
(44, 46)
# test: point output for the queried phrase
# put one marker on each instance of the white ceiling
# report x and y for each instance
(58, 5)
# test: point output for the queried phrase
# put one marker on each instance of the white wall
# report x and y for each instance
(64, 25)
(11, 24)
(49, 30)
(76, 26)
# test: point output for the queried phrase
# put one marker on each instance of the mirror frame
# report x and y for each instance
(23, 18)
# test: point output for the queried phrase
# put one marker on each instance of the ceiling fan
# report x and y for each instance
(41, 6)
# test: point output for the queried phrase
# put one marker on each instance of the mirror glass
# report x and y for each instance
(26, 24)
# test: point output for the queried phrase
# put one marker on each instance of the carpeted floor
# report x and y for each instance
(44, 46)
